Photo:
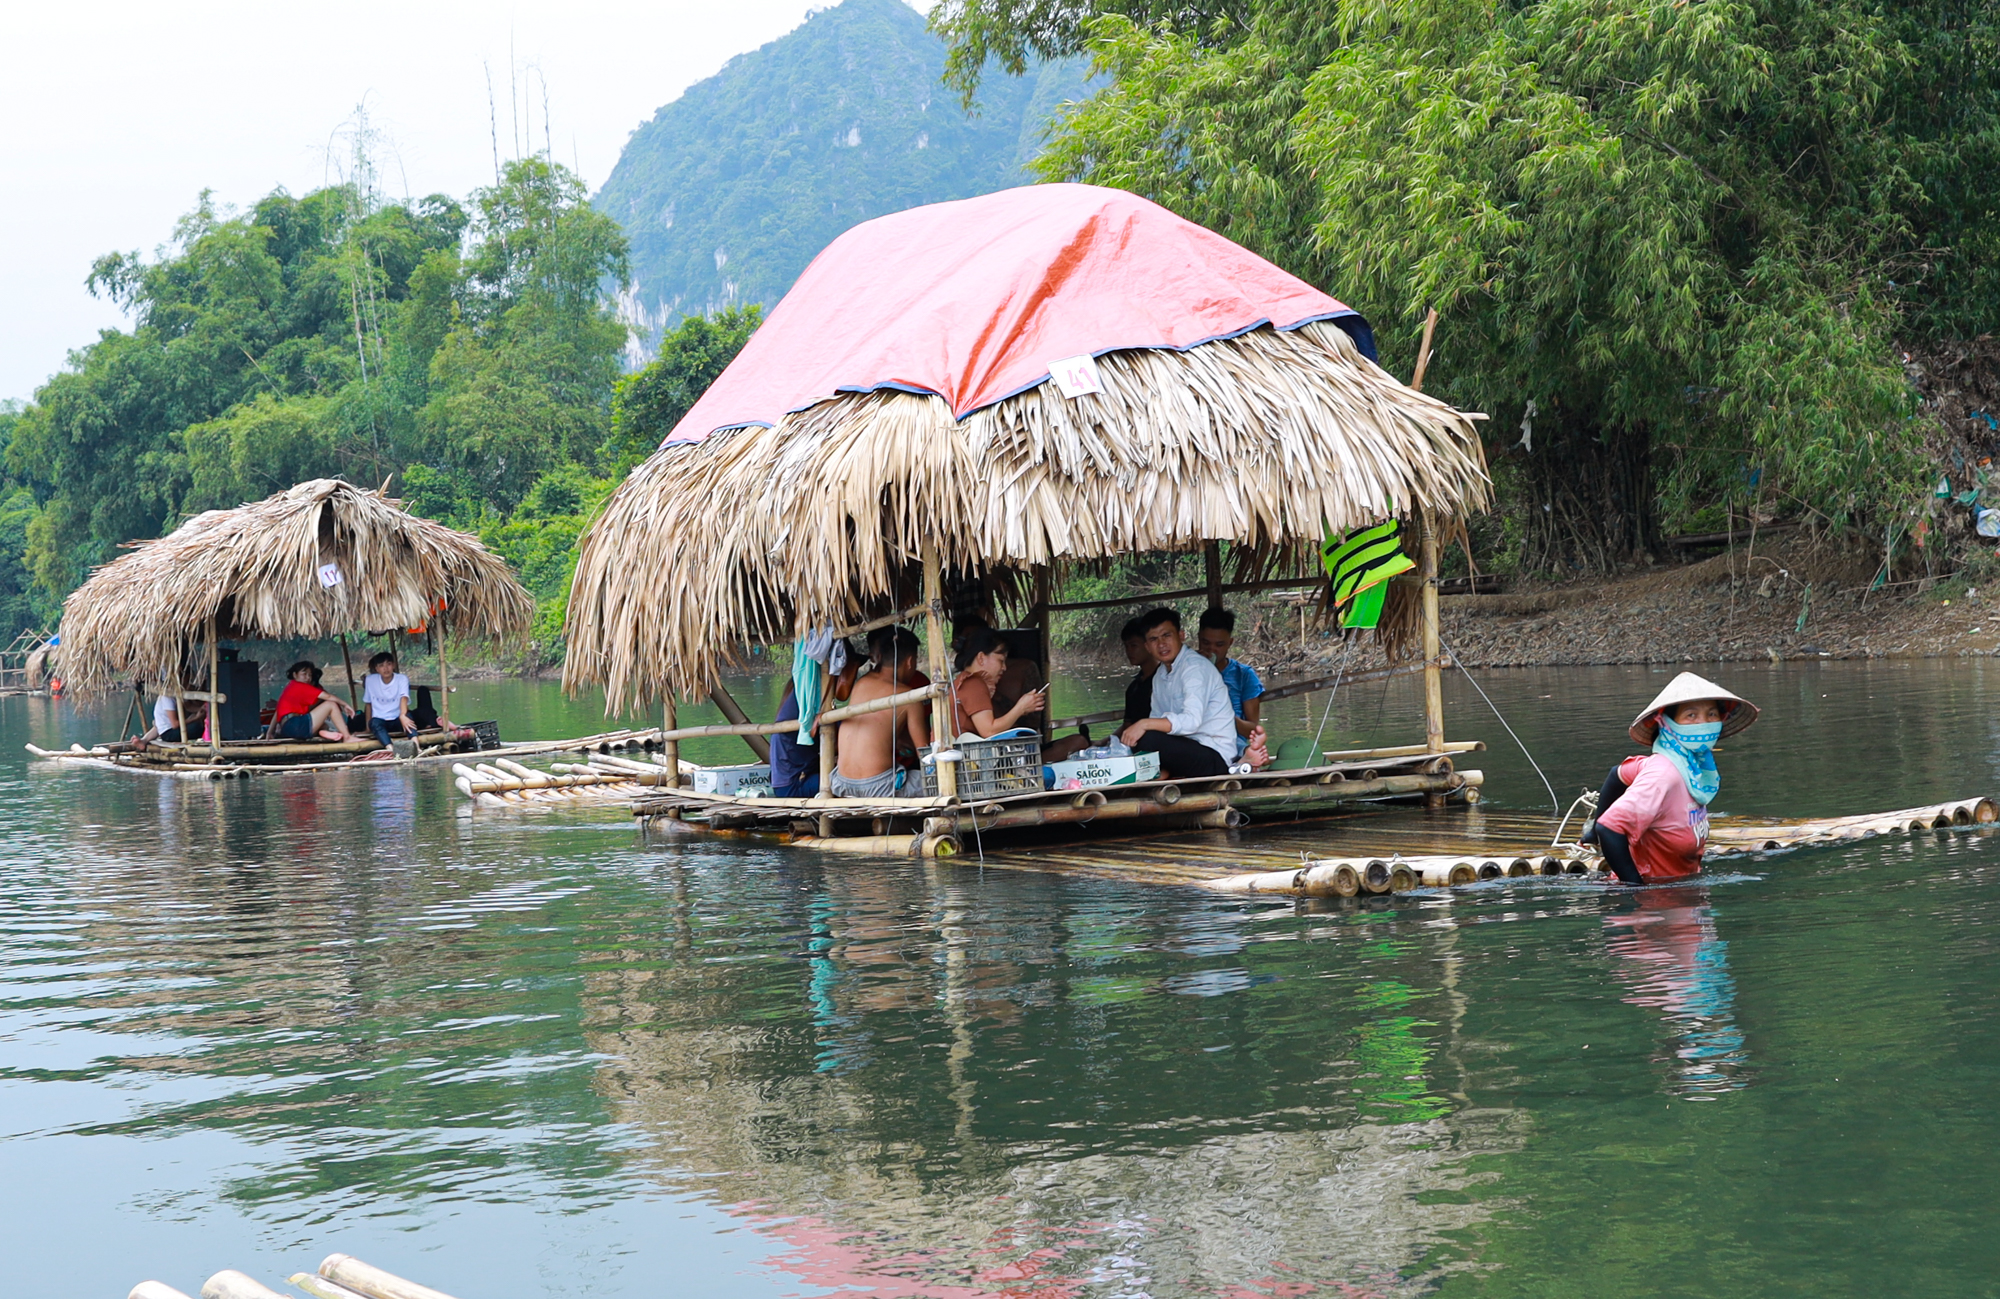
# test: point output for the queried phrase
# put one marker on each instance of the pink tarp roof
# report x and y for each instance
(973, 300)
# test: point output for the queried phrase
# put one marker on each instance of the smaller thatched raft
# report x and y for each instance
(255, 573)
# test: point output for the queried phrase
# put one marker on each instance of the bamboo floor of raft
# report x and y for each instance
(199, 762)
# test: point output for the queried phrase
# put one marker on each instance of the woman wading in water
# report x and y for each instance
(1652, 814)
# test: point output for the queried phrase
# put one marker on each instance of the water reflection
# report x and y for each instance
(1667, 954)
(976, 1102)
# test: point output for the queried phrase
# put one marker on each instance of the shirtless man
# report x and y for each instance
(868, 767)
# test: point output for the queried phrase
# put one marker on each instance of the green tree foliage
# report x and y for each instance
(1687, 233)
(649, 403)
(333, 334)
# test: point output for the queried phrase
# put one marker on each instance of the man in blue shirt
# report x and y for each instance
(1213, 640)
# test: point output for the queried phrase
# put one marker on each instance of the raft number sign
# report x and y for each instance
(1076, 376)
(329, 575)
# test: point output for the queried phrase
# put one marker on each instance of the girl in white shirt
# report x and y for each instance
(387, 695)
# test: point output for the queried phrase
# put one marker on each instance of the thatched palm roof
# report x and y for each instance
(1265, 439)
(256, 571)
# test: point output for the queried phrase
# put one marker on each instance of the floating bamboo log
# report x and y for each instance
(231, 1284)
(1344, 877)
(885, 845)
(155, 1290)
(321, 1288)
(1776, 836)
(344, 1269)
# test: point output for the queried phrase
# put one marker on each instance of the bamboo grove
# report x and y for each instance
(1678, 247)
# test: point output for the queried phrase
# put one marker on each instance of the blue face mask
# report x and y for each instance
(1692, 749)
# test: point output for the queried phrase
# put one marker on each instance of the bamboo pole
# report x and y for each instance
(670, 749)
(1042, 631)
(829, 749)
(353, 686)
(940, 665)
(933, 691)
(444, 675)
(720, 696)
(214, 688)
(1161, 597)
(1211, 566)
(1403, 751)
(732, 728)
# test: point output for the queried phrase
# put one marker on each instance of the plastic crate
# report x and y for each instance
(992, 768)
(486, 735)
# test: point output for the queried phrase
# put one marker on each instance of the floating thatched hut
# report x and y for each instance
(1002, 387)
(311, 562)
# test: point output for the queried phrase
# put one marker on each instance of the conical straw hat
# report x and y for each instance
(1686, 688)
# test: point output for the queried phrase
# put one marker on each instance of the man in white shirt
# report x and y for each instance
(1192, 726)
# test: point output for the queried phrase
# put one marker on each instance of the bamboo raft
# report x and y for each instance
(1352, 874)
(339, 1277)
(940, 827)
(243, 760)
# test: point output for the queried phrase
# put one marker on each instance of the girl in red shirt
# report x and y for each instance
(1652, 818)
(305, 710)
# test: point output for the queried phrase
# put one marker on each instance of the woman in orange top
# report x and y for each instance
(1652, 815)
(982, 661)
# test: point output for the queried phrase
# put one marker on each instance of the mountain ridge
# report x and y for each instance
(727, 192)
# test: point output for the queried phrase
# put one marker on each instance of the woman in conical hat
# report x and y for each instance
(1652, 815)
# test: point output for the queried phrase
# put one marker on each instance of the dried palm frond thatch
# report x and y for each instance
(1264, 440)
(256, 571)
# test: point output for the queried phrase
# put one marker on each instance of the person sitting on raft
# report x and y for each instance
(1652, 814)
(1191, 725)
(1139, 690)
(982, 665)
(868, 766)
(1215, 637)
(795, 766)
(167, 722)
(387, 697)
(305, 710)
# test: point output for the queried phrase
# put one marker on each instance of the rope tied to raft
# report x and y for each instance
(1346, 647)
(1555, 804)
(1587, 799)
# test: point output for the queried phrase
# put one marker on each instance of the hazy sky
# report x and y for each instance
(122, 113)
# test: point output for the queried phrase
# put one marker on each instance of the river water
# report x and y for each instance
(248, 1024)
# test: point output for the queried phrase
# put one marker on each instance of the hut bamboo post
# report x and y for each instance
(829, 748)
(1211, 565)
(353, 686)
(670, 750)
(940, 668)
(214, 689)
(1042, 631)
(720, 696)
(444, 676)
(1428, 571)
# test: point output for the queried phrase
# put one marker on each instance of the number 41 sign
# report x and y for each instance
(1075, 376)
